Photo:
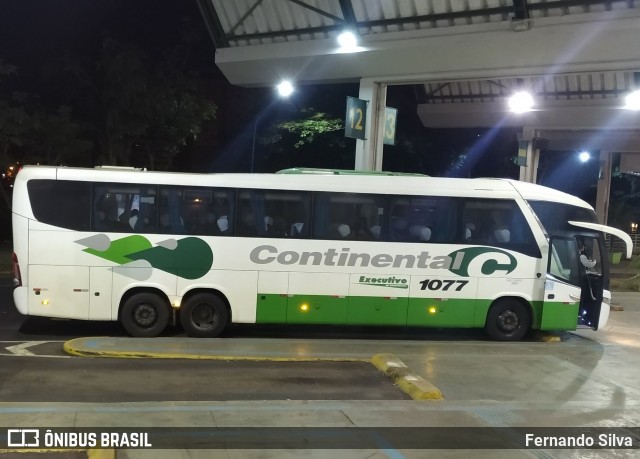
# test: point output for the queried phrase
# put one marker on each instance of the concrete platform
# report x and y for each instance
(589, 379)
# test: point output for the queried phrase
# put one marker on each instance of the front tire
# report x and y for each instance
(145, 315)
(204, 315)
(508, 320)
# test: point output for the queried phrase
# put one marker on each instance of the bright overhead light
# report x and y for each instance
(285, 88)
(521, 102)
(632, 101)
(584, 156)
(348, 40)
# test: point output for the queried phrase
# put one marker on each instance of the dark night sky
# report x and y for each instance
(32, 31)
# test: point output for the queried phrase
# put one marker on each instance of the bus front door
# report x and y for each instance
(592, 280)
(573, 291)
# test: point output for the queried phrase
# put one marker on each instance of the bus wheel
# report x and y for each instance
(145, 315)
(508, 320)
(204, 315)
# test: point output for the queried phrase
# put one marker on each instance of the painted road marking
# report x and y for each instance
(21, 350)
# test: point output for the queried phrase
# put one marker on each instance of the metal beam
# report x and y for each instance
(501, 10)
(317, 10)
(602, 92)
(520, 9)
(213, 24)
(348, 13)
(244, 16)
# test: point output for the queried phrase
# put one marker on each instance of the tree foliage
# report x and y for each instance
(307, 138)
(142, 109)
(313, 127)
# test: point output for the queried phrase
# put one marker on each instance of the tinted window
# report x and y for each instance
(274, 213)
(196, 210)
(555, 216)
(498, 223)
(124, 208)
(423, 219)
(354, 216)
(61, 203)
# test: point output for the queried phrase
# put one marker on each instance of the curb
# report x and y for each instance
(70, 349)
(413, 385)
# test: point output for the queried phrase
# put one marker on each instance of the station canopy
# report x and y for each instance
(579, 58)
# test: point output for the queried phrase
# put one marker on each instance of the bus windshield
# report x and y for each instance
(555, 216)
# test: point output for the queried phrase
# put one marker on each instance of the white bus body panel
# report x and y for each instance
(100, 283)
(59, 291)
(605, 309)
(21, 249)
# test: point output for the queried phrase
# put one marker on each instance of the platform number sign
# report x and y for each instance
(390, 120)
(356, 119)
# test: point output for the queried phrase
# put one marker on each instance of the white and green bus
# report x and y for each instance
(206, 250)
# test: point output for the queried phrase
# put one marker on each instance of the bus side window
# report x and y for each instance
(399, 221)
(62, 203)
(170, 209)
(252, 217)
(355, 216)
(498, 222)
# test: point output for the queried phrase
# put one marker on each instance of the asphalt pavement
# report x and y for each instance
(586, 379)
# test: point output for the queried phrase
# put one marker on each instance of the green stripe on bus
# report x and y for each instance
(363, 310)
(559, 316)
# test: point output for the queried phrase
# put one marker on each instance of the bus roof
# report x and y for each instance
(321, 181)
(311, 170)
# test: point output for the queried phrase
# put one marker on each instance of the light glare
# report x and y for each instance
(584, 156)
(632, 101)
(348, 40)
(521, 102)
(285, 89)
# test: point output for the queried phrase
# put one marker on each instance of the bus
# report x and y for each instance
(153, 249)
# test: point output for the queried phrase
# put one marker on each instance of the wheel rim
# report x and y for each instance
(145, 315)
(204, 316)
(508, 321)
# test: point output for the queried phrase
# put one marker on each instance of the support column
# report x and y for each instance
(604, 187)
(529, 170)
(369, 151)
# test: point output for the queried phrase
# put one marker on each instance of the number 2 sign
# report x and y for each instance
(356, 119)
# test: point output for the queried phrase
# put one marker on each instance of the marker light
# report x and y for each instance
(432, 310)
(304, 307)
(45, 302)
(584, 156)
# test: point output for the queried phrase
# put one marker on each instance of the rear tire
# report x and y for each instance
(508, 320)
(145, 315)
(204, 315)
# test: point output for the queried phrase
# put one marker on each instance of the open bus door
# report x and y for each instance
(574, 285)
(574, 291)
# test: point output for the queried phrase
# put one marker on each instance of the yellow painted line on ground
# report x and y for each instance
(70, 349)
(547, 337)
(551, 339)
(413, 385)
(104, 453)
(43, 451)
